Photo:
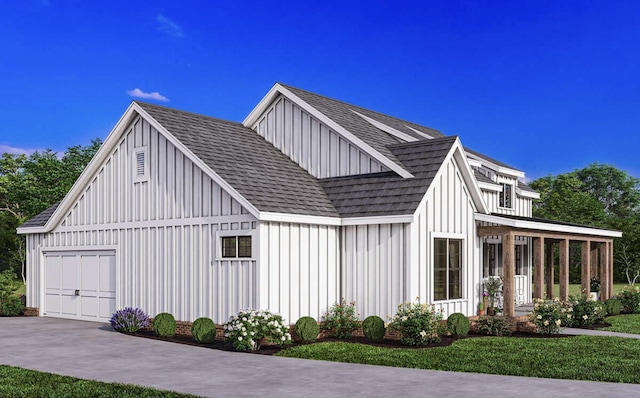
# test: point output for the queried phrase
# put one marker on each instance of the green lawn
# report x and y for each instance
(592, 358)
(624, 323)
(18, 382)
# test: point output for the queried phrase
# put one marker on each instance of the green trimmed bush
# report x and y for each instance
(613, 306)
(307, 328)
(373, 328)
(494, 325)
(203, 330)
(630, 299)
(458, 324)
(164, 325)
(12, 306)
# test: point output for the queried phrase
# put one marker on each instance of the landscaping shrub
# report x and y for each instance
(203, 330)
(458, 324)
(594, 284)
(550, 315)
(307, 328)
(164, 325)
(247, 330)
(418, 323)
(341, 320)
(494, 325)
(129, 320)
(613, 306)
(630, 299)
(585, 312)
(373, 328)
(12, 306)
(8, 284)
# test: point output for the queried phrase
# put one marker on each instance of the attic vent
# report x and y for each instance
(140, 164)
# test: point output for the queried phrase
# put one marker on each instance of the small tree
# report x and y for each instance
(630, 260)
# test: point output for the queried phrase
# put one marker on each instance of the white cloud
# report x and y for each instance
(137, 93)
(169, 27)
(17, 151)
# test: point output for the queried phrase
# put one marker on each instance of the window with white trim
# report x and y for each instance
(447, 269)
(506, 196)
(236, 246)
(140, 164)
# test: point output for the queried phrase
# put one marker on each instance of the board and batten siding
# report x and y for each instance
(311, 144)
(522, 206)
(447, 212)
(164, 231)
(374, 262)
(299, 269)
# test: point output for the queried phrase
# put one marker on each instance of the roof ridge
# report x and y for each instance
(359, 107)
(423, 142)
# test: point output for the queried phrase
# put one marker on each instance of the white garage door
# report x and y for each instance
(80, 285)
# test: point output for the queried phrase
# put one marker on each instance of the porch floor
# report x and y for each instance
(523, 310)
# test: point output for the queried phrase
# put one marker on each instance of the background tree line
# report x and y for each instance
(599, 195)
(31, 184)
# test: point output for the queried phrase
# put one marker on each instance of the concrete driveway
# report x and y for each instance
(94, 351)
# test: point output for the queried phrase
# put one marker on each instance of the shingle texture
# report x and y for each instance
(41, 219)
(263, 175)
(342, 113)
(384, 194)
(525, 187)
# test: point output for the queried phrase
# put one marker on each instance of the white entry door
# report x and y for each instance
(80, 285)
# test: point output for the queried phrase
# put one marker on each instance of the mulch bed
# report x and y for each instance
(387, 343)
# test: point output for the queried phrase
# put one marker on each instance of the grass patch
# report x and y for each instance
(624, 323)
(18, 382)
(592, 358)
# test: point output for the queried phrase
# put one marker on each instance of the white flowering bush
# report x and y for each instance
(550, 315)
(250, 328)
(586, 312)
(418, 323)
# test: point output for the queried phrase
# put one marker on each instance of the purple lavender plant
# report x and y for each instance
(129, 320)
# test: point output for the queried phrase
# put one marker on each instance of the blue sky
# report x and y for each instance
(545, 86)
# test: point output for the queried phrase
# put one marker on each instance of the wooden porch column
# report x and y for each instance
(585, 286)
(538, 267)
(594, 260)
(605, 293)
(564, 269)
(549, 270)
(610, 268)
(508, 272)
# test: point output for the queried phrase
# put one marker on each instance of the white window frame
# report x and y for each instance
(236, 232)
(145, 164)
(511, 199)
(463, 259)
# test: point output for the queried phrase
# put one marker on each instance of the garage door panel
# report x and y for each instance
(108, 274)
(70, 273)
(91, 274)
(89, 267)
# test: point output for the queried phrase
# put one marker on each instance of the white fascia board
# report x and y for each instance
(468, 176)
(250, 120)
(387, 129)
(87, 174)
(527, 194)
(401, 219)
(425, 135)
(198, 162)
(298, 218)
(498, 169)
(535, 225)
(31, 230)
(490, 187)
(473, 162)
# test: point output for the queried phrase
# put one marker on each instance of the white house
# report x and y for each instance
(308, 200)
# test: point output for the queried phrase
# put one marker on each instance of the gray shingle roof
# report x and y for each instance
(499, 163)
(525, 187)
(341, 113)
(386, 193)
(482, 178)
(263, 175)
(40, 220)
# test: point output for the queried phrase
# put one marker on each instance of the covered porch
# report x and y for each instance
(596, 254)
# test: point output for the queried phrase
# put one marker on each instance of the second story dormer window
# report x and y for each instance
(506, 196)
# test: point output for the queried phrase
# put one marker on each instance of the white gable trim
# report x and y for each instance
(425, 135)
(400, 219)
(527, 194)
(298, 218)
(106, 151)
(255, 114)
(489, 186)
(457, 152)
(387, 129)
